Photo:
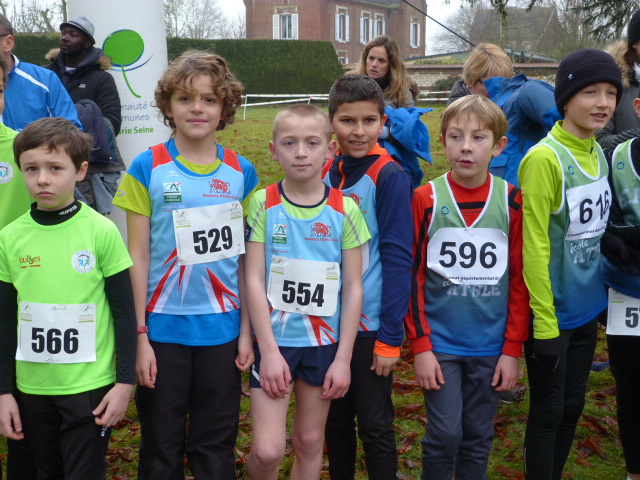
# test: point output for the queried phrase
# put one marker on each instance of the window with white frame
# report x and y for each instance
(285, 26)
(342, 25)
(366, 27)
(378, 25)
(414, 33)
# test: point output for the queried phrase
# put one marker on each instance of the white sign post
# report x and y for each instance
(132, 34)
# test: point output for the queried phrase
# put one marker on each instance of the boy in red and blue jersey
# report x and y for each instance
(469, 314)
(184, 201)
(365, 172)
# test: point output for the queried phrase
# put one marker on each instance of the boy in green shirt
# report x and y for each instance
(65, 290)
(14, 198)
(566, 201)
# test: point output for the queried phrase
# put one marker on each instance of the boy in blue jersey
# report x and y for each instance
(184, 201)
(469, 315)
(304, 265)
(365, 172)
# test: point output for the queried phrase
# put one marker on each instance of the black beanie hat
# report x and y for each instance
(633, 30)
(582, 68)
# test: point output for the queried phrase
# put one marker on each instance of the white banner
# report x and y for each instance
(132, 34)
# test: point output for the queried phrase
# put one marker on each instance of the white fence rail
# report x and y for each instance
(283, 98)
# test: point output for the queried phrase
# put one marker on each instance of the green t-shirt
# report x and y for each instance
(61, 267)
(14, 198)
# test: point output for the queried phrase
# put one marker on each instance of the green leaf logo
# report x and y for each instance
(125, 48)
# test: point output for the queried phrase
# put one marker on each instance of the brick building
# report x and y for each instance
(348, 24)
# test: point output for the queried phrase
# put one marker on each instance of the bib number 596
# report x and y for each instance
(54, 341)
(302, 293)
(469, 254)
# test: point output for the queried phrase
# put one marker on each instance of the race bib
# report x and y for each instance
(208, 234)
(304, 286)
(624, 314)
(588, 209)
(57, 333)
(469, 256)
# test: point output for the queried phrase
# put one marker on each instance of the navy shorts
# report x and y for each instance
(306, 363)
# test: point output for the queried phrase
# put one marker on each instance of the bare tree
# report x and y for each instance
(602, 18)
(200, 19)
(462, 23)
(33, 16)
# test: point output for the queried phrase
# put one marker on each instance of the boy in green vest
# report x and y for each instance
(566, 200)
(65, 290)
(468, 316)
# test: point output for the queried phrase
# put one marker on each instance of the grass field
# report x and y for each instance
(596, 455)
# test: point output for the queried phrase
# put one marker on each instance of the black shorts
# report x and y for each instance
(306, 363)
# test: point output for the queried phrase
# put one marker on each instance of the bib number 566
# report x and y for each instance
(54, 341)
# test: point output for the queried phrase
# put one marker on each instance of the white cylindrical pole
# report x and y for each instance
(132, 33)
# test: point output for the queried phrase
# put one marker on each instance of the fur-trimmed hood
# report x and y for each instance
(102, 60)
(617, 51)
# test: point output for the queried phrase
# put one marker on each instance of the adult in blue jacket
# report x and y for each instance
(529, 104)
(32, 92)
(530, 108)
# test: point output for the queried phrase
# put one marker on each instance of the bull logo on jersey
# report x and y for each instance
(355, 198)
(320, 230)
(6, 172)
(83, 261)
(218, 186)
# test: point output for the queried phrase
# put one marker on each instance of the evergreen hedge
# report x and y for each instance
(263, 66)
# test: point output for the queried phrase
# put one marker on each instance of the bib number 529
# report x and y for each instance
(54, 341)
(209, 241)
(302, 293)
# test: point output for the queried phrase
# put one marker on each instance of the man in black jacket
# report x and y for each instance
(82, 68)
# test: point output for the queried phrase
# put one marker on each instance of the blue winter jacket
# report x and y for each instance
(34, 92)
(531, 110)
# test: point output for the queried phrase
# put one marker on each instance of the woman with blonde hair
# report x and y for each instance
(381, 61)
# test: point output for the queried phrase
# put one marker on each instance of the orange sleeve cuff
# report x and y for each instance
(385, 350)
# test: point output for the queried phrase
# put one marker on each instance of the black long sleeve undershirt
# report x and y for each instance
(119, 295)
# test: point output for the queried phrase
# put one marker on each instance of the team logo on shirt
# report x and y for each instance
(29, 261)
(6, 172)
(571, 170)
(320, 230)
(83, 261)
(620, 165)
(279, 234)
(172, 192)
(88, 313)
(445, 210)
(218, 186)
(355, 198)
